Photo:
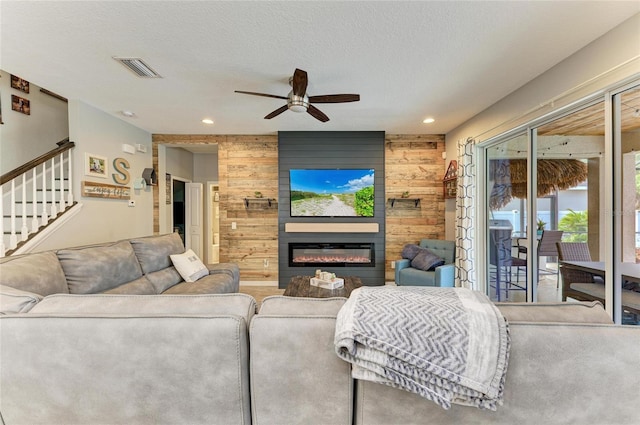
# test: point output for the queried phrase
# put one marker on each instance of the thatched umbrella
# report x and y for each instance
(510, 178)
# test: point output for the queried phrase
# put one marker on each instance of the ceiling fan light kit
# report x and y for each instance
(299, 101)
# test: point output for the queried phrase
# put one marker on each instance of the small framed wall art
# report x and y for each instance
(95, 165)
(19, 83)
(20, 104)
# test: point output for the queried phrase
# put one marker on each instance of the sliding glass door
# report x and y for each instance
(626, 148)
(506, 223)
(562, 207)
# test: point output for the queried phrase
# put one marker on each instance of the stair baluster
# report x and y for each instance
(54, 211)
(13, 239)
(69, 179)
(46, 206)
(45, 217)
(24, 230)
(34, 203)
(62, 206)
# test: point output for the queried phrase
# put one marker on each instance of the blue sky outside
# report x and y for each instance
(331, 181)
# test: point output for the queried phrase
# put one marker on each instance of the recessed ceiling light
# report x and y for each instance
(207, 121)
(128, 114)
(428, 120)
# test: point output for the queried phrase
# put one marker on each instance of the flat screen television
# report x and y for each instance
(331, 192)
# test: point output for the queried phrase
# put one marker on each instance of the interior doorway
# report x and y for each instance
(179, 207)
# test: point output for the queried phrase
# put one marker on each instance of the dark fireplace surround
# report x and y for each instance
(332, 254)
(332, 150)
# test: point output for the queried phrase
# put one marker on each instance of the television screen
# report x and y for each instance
(331, 192)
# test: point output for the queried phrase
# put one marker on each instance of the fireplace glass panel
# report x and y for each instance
(331, 254)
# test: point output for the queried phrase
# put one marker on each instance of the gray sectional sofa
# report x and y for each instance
(210, 359)
(140, 266)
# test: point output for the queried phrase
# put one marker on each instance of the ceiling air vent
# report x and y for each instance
(138, 67)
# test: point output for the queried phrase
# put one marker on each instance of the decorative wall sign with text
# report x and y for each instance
(102, 190)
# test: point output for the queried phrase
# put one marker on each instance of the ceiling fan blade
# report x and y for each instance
(262, 94)
(299, 83)
(276, 112)
(317, 113)
(334, 98)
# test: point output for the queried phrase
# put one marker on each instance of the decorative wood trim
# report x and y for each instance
(331, 227)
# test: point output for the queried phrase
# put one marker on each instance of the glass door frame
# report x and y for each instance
(614, 256)
(530, 129)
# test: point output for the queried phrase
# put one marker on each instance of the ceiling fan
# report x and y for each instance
(298, 101)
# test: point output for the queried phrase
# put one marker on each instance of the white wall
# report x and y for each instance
(179, 163)
(205, 167)
(101, 219)
(25, 137)
(619, 49)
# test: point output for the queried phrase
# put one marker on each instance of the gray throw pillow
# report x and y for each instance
(426, 260)
(410, 251)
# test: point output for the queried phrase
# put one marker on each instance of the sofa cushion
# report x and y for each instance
(39, 273)
(16, 301)
(95, 269)
(242, 305)
(565, 312)
(153, 251)
(220, 283)
(189, 266)
(164, 279)
(416, 277)
(301, 306)
(140, 286)
(426, 260)
(410, 251)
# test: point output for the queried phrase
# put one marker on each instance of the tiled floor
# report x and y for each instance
(548, 288)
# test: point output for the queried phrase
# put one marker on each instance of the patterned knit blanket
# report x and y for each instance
(448, 345)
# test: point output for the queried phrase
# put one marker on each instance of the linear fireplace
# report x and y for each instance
(331, 254)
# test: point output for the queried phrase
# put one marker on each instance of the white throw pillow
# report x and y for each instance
(189, 266)
(16, 301)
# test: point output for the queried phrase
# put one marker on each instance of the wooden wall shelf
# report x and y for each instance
(268, 201)
(416, 201)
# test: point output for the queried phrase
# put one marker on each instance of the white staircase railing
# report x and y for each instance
(41, 183)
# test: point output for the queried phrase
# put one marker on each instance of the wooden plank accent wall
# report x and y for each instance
(413, 163)
(246, 164)
(250, 163)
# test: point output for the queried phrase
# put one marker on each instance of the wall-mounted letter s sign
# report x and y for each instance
(122, 176)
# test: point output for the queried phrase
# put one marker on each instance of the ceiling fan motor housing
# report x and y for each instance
(297, 103)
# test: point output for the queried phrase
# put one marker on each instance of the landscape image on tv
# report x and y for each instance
(331, 192)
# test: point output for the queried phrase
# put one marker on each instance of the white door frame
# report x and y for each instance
(208, 211)
(194, 220)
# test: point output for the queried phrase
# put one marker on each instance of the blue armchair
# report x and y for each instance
(443, 276)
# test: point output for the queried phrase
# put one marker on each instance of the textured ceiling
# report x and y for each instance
(407, 60)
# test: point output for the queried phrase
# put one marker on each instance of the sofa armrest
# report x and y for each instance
(445, 276)
(231, 269)
(401, 264)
